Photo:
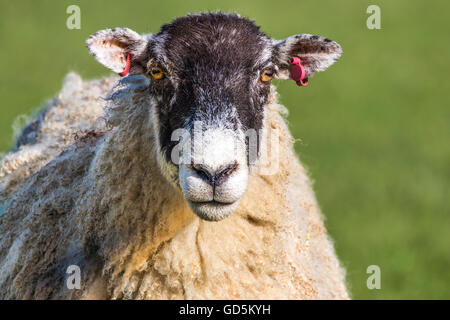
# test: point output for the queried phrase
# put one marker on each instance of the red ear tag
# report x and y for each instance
(298, 73)
(127, 66)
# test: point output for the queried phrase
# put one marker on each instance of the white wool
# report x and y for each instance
(88, 191)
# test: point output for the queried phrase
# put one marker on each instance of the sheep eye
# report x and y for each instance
(266, 76)
(157, 73)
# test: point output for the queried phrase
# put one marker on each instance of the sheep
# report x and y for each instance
(93, 182)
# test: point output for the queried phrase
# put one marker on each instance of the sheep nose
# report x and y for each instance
(215, 177)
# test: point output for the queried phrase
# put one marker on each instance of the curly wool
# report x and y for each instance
(90, 193)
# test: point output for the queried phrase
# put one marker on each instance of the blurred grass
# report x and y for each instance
(374, 128)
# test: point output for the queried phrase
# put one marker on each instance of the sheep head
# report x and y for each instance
(210, 81)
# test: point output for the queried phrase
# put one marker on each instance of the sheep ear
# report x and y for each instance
(112, 47)
(316, 53)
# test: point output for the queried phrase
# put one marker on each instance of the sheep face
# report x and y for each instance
(210, 80)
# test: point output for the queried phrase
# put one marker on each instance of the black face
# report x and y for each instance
(213, 66)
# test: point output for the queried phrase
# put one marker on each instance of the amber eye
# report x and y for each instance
(266, 76)
(157, 73)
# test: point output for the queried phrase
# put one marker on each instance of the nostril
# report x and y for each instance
(217, 177)
(222, 175)
(203, 172)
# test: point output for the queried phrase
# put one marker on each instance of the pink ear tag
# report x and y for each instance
(298, 73)
(127, 66)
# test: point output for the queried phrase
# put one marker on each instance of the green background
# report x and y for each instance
(373, 129)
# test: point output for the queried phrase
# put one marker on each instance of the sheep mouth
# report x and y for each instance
(213, 210)
(212, 203)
